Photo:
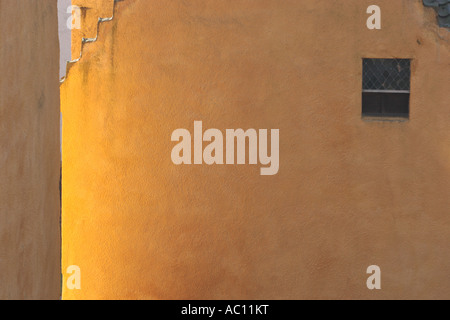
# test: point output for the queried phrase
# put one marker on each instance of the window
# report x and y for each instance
(386, 87)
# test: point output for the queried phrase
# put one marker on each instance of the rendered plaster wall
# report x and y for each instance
(350, 192)
(29, 150)
(89, 13)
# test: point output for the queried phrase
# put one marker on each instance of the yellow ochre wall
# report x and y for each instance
(29, 150)
(350, 192)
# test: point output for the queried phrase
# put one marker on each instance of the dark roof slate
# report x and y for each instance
(442, 7)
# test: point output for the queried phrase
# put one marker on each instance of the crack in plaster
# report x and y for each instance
(89, 40)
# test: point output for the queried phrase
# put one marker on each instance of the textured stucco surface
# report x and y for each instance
(91, 11)
(29, 150)
(350, 192)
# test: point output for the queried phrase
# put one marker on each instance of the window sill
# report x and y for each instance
(385, 118)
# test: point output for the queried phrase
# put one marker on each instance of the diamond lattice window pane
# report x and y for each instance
(386, 74)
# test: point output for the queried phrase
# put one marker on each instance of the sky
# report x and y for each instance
(64, 41)
(64, 34)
